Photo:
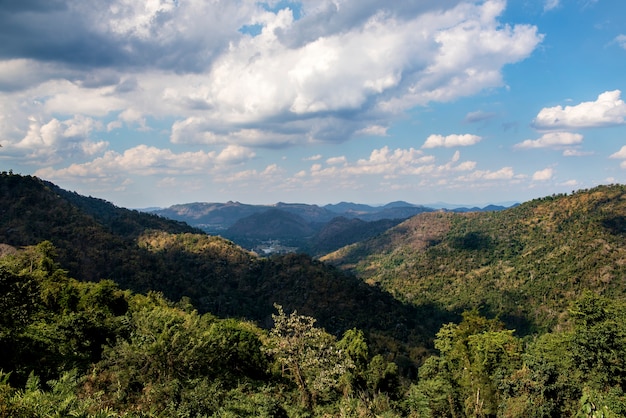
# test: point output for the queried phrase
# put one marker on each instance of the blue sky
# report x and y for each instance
(162, 102)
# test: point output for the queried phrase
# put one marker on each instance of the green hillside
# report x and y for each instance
(96, 240)
(228, 334)
(524, 264)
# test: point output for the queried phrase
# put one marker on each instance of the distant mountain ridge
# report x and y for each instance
(298, 226)
(214, 217)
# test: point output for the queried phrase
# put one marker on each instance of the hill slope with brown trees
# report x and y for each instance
(525, 263)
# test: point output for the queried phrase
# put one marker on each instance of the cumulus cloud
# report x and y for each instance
(122, 33)
(191, 62)
(376, 130)
(505, 173)
(607, 110)
(552, 140)
(382, 161)
(73, 73)
(543, 175)
(234, 154)
(336, 160)
(574, 152)
(620, 155)
(449, 141)
(49, 142)
(146, 160)
(313, 157)
(621, 40)
(392, 164)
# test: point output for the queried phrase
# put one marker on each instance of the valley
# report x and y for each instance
(512, 312)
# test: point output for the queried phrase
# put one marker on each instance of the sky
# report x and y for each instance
(161, 102)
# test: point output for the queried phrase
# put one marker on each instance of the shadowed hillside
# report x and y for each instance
(96, 240)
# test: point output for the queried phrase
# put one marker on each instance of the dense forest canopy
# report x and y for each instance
(524, 264)
(109, 312)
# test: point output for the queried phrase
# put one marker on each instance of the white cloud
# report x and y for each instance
(550, 5)
(197, 130)
(50, 142)
(621, 40)
(336, 160)
(234, 154)
(145, 160)
(401, 164)
(270, 173)
(574, 152)
(505, 173)
(620, 154)
(185, 70)
(380, 64)
(315, 157)
(543, 175)
(552, 140)
(434, 141)
(607, 110)
(375, 130)
(191, 63)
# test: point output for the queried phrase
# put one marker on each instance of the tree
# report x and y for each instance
(474, 358)
(308, 354)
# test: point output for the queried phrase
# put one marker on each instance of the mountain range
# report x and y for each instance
(524, 264)
(297, 226)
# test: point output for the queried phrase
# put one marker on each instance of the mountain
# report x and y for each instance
(342, 231)
(210, 217)
(142, 252)
(274, 223)
(488, 208)
(525, 263)
(551, 269)
(311, 213)
(292, 225)
(93, 237)
(218, 217)
(395, 212)
(349, 207)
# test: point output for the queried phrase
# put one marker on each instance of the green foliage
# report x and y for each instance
(474, 359)
(599, 343)
(524, 264)
(91, 349)
(94, 240)
(310, 355)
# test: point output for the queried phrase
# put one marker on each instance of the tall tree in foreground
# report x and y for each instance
(308, 354)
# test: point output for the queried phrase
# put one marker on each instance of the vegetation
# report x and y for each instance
(92, 349)
(154, 254)
(523, 264)
(519, 313)
(72, 348)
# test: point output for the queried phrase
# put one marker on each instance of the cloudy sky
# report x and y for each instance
(157, 102)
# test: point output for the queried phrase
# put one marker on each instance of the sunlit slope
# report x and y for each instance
(525, 263)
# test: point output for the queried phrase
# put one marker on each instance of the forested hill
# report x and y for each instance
(92, 236)
(95, 240)
(76, 348)
(525, 263)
